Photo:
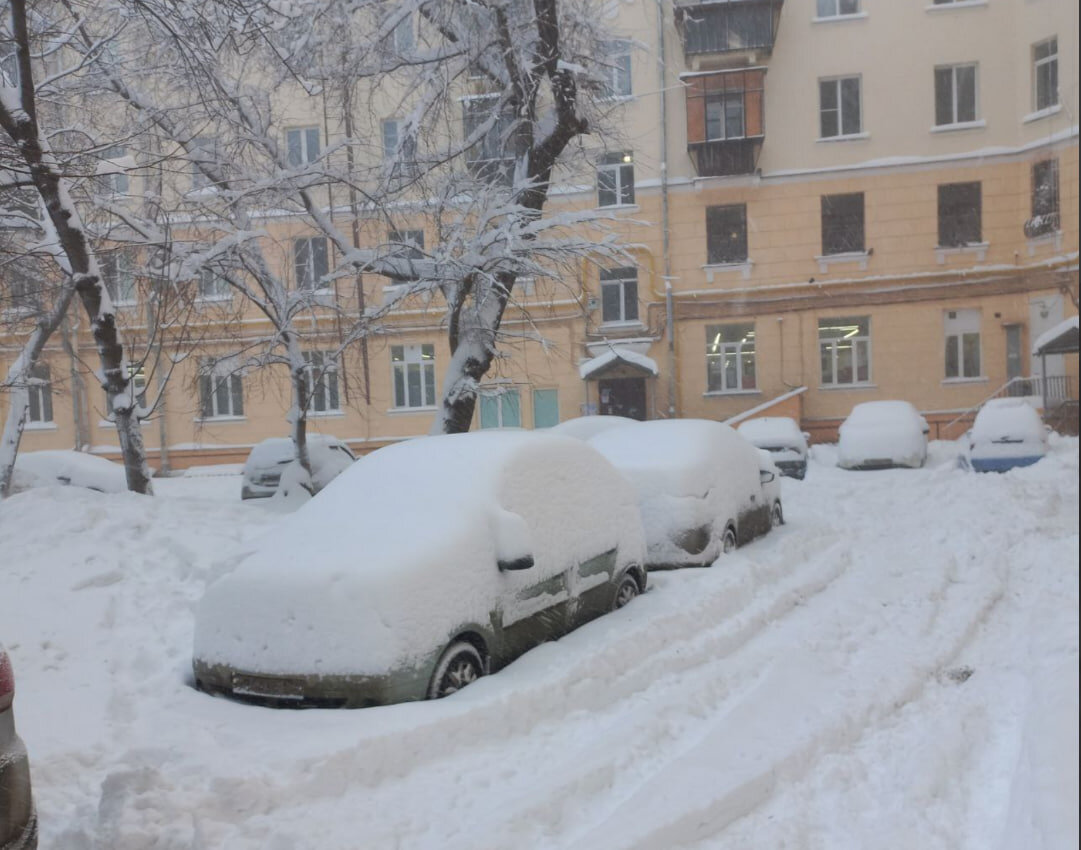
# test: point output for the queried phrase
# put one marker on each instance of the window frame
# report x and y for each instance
(618, 69)
(322, 369)
(116, 180)
(837, 13)
(116, 265)
(942, 222)
(306, 157)
(305, 270)
(219, 379)
(841, 112)
(835, 229)
(39, 387)
(625, 279)
(403, 45)
(955, 116)
(499, 397)
(720, 350)
(401, 156)
(1051, 61)
(955, 337)
(621, 166)
(545, 392)
(421, 355)
(220, 290)
(713, 253)
(721, 122)
(831, 343)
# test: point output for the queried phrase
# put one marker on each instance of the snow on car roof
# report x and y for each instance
(587, 427)
(771, 430)
(881, 413)
(79, 469)
(1007, 417)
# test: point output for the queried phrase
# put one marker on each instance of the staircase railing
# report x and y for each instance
(1013, 388)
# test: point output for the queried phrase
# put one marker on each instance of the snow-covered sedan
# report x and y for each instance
(701, 487)
(63, 467)
(18, 822)
(782, 438)
(1007, 433)
(882, 434)
(427, 565)
(269, 459)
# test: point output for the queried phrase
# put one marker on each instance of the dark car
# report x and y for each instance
(782, 438)
(270, 458)
(18, 822)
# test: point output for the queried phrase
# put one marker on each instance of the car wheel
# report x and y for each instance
(776, 516)
(625, 592)
(459, 666)
(729, 541)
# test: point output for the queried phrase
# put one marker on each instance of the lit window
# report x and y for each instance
(844, 346)
(730, 358)
(615, 180)
(414, 375)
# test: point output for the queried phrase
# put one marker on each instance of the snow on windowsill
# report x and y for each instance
(212, 299)
(1047, 112)
(716, 393)
(830, 19)
(618, 208)
(841, 387)
(325, 414)
(743, 268)
(977, 248)
(960, 125)
(213, 420)
(982, 379)
(631, 324)
(860, 257)
(40, 426)
(617, 98)
(1053, 238)
(847, 137)
(398, 411)
(960, 4)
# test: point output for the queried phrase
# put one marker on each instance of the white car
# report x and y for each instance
(270, 458)
(67, 468)
(782, 438)
(1007, 432)
(587, 427)
(883, 434)
(700, 487)
(428, 564)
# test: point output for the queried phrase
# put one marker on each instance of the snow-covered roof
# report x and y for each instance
(617, 354)
(1061, 339)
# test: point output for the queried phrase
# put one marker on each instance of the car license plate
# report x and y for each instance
(267, 686)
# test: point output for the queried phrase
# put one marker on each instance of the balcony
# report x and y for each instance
(725, 120)
(745, 28)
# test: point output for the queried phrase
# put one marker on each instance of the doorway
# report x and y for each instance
(622, 397)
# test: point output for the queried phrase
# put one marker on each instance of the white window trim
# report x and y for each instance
(977, 248)
(407, 349)
(627, 49)
(324, 371)
(712, 269)
(622, 324)
(319, 287)
(963, 125)
(715, 393)
(45, 426)
(1042, 113)
(825, 260)
(840, 110)
(617, 167)
(735, 348)
(1036, 63)
(830, 19)
(229, 418)
(982, 379)
(1037, 242)
(959, 4)
(622, 321)
(850, 137)
(855, 367)
(303, 130)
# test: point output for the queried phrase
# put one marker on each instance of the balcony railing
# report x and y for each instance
(726, 26)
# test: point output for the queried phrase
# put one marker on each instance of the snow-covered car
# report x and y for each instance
(18, 822)
(782, 438)
(699, 487)
(68, 468)
(587, 427)
(269, 459)
(1007, 432)
(430, 563)
(882, 434)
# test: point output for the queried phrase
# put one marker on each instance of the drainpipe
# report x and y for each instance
(665, 252)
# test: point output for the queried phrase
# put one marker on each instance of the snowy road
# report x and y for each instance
(895, 668)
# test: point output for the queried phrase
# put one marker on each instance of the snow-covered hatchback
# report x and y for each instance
(18, 823)
(1007, 433)
(429, 564)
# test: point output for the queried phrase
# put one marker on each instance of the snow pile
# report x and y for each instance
(587, 427)
(398, 553)
(78, 469)
(689, 474)
(879, 433)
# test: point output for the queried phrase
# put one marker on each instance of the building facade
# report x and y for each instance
(826, 202)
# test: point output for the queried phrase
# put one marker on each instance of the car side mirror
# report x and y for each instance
(807, 436)
(525, 562)
(766, 476)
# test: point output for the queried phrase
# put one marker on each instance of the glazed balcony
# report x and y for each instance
(737, 30)
(725, 120)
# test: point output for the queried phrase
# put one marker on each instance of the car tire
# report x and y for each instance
(776, 515)
(459, 666)
(729, 542)
(626, 590)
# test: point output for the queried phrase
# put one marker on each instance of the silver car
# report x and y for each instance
(18, 822)
(268, 460)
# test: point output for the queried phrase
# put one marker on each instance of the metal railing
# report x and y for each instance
(1052, 390)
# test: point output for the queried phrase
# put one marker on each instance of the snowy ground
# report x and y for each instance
(896, 668)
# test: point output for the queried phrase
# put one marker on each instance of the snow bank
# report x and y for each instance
(48, 468)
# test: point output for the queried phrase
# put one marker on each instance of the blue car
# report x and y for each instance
(1007, 433)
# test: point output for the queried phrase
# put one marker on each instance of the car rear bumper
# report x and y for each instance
(1002, 464)
(792, 468)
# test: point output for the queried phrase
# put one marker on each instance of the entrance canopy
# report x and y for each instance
(1061, 339)
(617, 356)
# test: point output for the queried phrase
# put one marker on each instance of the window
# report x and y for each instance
(203, 153)
(9, 65)
(845, 348)
(837, 8)
(488, 158)
(617, 69)
(407, 243)
(962, 343)
(117, 270)
(615, 180)
(545, 408)
(22, 291)
(414, 375)
(500, 409)
(730, 360)
(1045, 73)
(724, 116)
(302, 145)
(842, 224)
(114, 178)
(726, 234)
(310, 262)
(1045, 199)
(322, 369)
(955, 95)
(136, 385)
(41, 394)
(839, 112)
(399, 150)
(959, 215)
(404, 36)
(221, 391)
(619, 295)
(212, 286)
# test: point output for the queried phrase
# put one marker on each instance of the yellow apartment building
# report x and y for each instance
(822, 202)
